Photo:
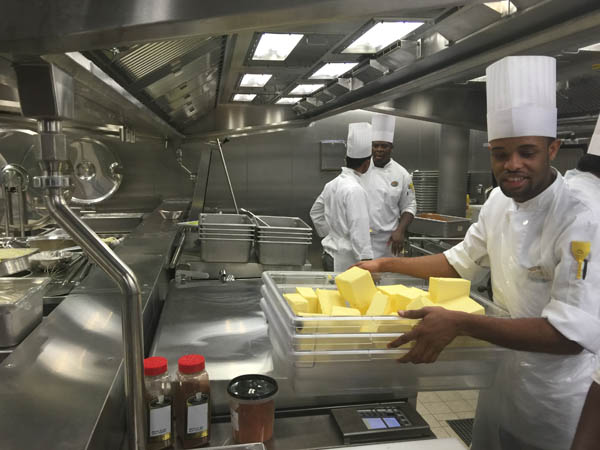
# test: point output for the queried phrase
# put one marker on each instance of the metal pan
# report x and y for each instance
(15, 260)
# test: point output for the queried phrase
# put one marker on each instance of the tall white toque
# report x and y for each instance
(383, 127)
(358, 144)
(521, 97)
(594, 148)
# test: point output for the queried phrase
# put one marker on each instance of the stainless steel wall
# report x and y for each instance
(279, 173)
(275, 173)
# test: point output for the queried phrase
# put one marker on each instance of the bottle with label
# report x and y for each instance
(192, 400)
(158, 397)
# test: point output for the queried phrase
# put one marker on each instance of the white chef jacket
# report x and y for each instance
(340, 213)
(537, 397)
(391, 194)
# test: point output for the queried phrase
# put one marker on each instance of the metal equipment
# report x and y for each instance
(439, 225)
(57, 103)
(15, 181)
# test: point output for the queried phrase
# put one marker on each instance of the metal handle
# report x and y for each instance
(227, 175)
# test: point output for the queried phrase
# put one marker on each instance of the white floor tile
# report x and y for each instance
(449, 395)
(445, 416)
(437, 408)
(428, 397)
(459, 406)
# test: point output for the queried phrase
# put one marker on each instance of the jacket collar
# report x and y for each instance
(350, 172)
(543, 200)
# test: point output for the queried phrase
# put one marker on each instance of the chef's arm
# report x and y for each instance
(421, 267)
(588, 431)
(317, 215)
(439, 327)
(526, 334)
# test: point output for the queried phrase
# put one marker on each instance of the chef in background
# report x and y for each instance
(392, 202)
(584, 182)
(539, 241)
(340, 213)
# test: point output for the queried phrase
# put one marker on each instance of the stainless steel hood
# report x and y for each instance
(184, 65)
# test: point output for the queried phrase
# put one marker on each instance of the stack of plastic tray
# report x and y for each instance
(332, 354)
(282, 240)
(225, 237)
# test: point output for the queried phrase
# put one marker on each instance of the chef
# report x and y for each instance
(392, 203)
(340, 213)
(584, 182)
(538, 241)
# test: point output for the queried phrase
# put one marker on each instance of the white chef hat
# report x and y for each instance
(383, 127)
(594, 147)
(521, 97)
(358, 144)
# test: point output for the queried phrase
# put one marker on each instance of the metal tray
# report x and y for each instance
(282, 253)
(21, 307)
(452, 226)
(281, 223)
(225, 250)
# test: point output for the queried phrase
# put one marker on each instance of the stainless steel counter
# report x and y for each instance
(224, 323)
(62, 387)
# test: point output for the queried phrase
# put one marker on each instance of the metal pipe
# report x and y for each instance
(227, 175)
(7, 207)
(21, 206)
(132, 326)
(52, 159)
(178, 249)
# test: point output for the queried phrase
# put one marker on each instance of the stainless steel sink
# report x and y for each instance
(117, 223)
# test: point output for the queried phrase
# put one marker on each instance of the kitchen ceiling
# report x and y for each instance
(191, 77)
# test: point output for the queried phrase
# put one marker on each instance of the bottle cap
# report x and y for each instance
(191, 364)
(155, 365)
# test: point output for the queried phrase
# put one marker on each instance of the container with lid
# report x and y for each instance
(252, 407)
(192, 400)
(158, 397)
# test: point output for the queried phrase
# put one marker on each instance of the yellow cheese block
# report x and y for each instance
(400, 295)
(419, 303)
(357, 287)
(310, 295)
(378, 307)
(327, 299)
(298, 303)
(343, 311)
(442, 289)
(464, 304)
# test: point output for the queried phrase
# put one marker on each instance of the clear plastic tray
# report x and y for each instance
(278, 283)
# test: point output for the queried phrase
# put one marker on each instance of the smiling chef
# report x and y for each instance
(537, 239)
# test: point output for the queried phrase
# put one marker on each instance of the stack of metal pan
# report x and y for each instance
(225, 237)
(282, 240)
(426, 189)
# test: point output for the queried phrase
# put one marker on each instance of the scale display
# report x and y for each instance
(380, 422)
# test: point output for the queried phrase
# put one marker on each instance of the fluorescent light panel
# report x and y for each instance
(380, 36)
(504, 7)
(481, 79)
(332, 70)
(255, 79)
(306, 89)
(592, 48)
(275, 47)
(288, 100)
(243, 97)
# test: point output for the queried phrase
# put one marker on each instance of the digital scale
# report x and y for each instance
(380, 422)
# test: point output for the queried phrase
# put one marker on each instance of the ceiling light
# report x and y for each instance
(306, 89)
(288, 100)
(243, 97)
(591, 48)
(480, 79)
(332, 70)
(275, 47)
(257, 80)
(380, 36)
(504, 7)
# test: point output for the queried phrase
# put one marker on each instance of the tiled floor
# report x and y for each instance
(437, 407)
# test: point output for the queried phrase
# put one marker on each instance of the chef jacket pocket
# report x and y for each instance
(539, 273)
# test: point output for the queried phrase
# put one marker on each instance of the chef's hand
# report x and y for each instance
(396, 240)
(370, 265)
(435, 331)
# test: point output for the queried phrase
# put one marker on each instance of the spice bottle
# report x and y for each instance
(192, 402)
(157, 391)
(252, 407)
